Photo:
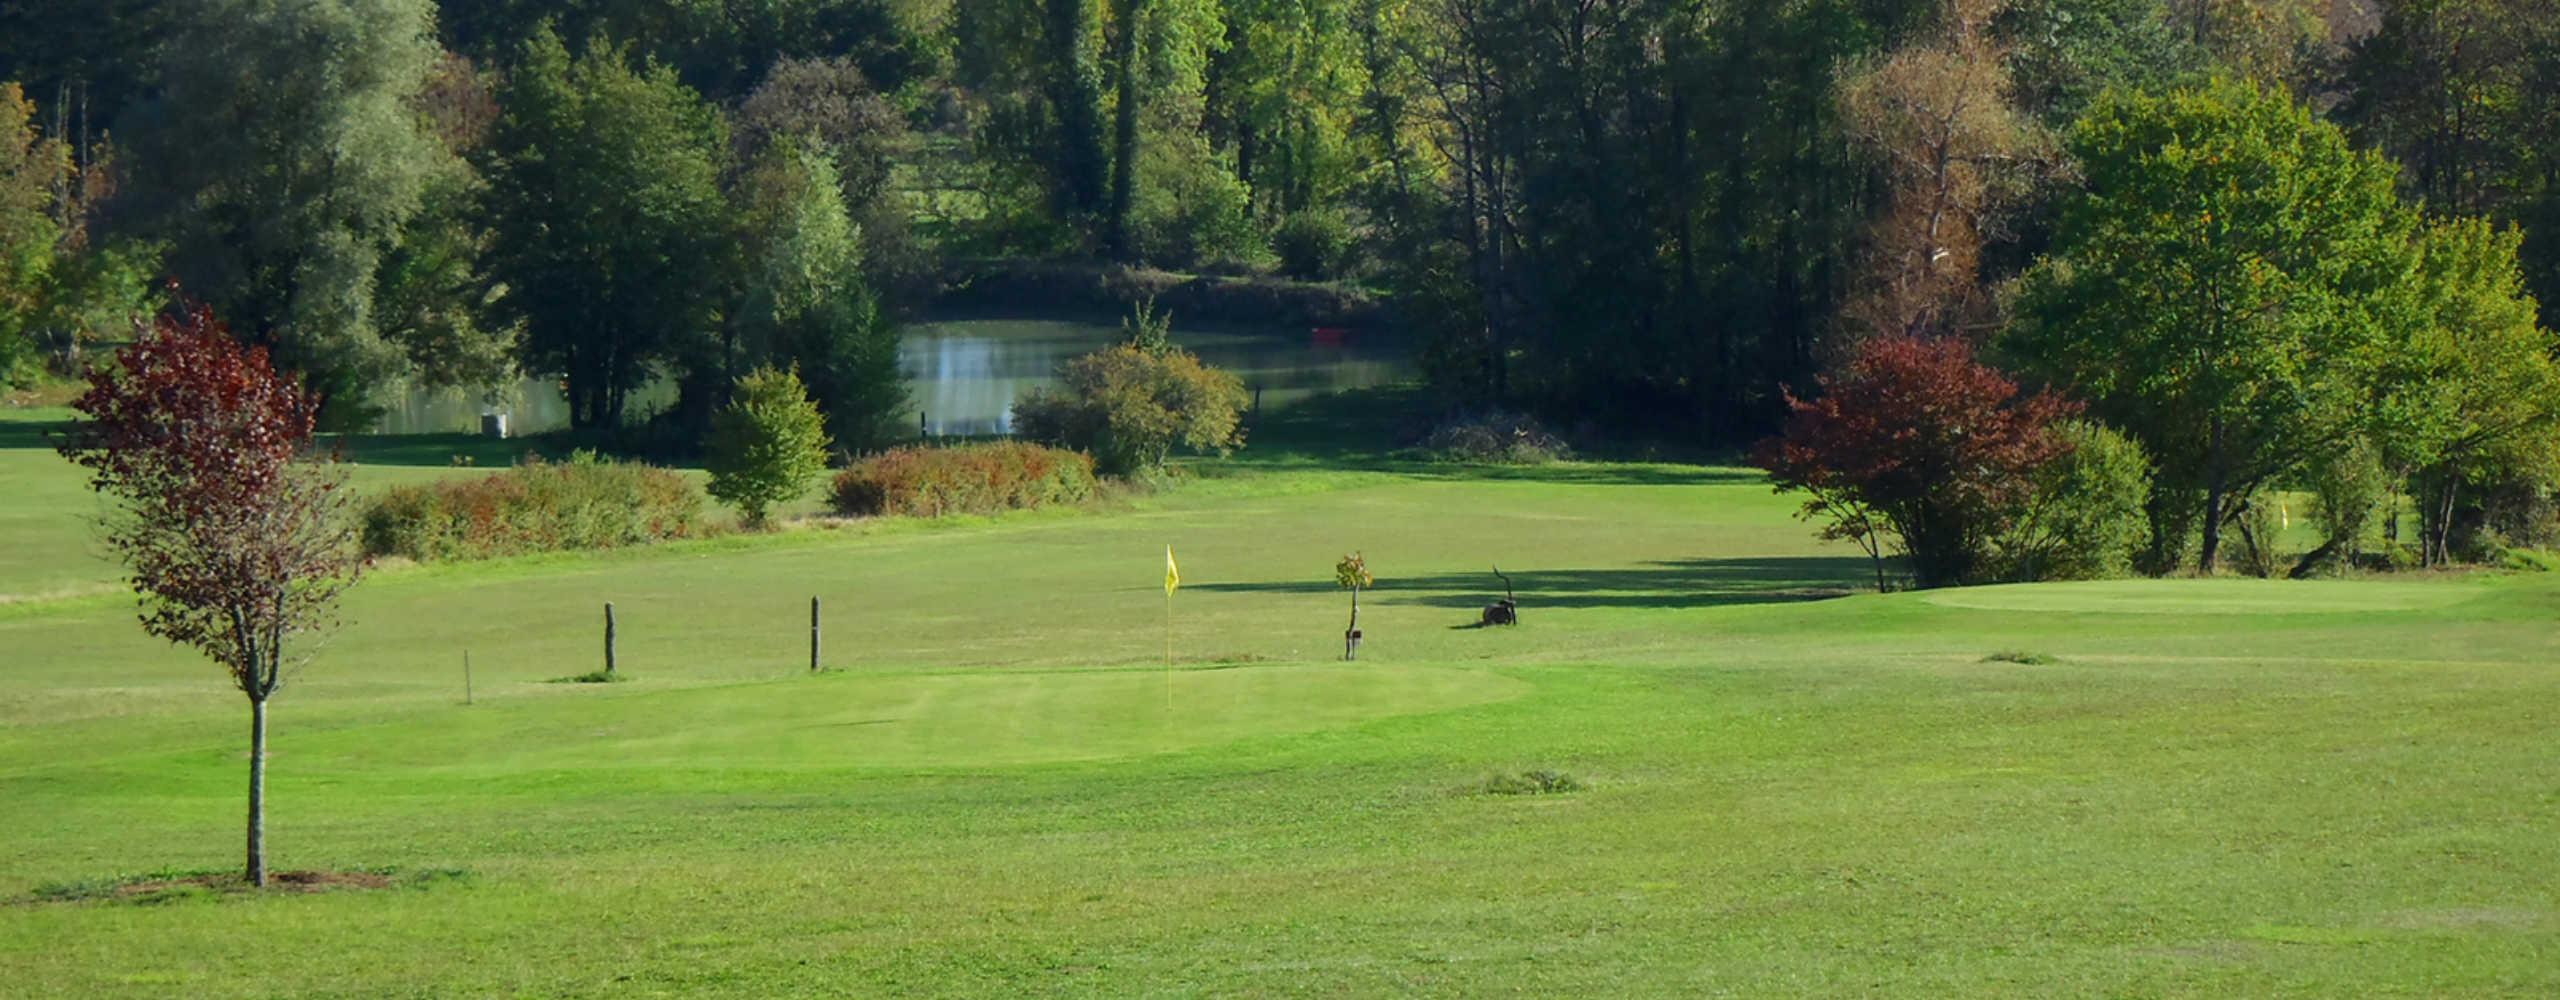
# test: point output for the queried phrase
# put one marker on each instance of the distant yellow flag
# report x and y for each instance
(1172, 573)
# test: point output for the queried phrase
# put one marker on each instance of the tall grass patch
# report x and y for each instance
(970, 479)
(584, 503)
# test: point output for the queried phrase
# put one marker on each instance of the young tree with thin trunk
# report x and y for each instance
(235, 543)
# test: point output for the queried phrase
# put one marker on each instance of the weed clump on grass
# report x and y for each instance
(2020, 656)
(591, 677)
(1538, 782)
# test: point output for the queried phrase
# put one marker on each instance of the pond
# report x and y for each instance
(964, 374)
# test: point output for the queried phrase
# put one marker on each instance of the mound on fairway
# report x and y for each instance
(2209, 597)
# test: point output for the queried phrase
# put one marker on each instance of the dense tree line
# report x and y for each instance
(1659, 216)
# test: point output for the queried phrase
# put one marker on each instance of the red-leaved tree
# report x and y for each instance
(1915, 440)
(235, 543)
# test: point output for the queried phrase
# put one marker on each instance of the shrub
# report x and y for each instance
(1496, 436)
(768, 446)
(1129, 405)
(2084, 517)
(971, 479)
(1314, 245)
(585, 503)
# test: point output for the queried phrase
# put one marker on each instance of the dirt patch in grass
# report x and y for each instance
(167, 887)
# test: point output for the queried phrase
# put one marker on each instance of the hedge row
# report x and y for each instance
(585, 503)
(971, 479)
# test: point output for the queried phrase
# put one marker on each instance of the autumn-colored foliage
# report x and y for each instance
(973, 479)
(583, 503)
(1915, 440)
(234, 542)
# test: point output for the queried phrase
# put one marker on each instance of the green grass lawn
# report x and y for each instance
(2215, 788)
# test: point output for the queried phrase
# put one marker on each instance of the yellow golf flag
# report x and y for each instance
(1172, 573)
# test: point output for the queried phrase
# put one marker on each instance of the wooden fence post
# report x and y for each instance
(608, 637)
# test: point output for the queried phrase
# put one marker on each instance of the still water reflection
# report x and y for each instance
(965, 374)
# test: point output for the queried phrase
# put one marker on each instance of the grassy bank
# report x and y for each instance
(2200, 788)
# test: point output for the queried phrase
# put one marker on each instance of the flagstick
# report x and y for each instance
(1168, 648)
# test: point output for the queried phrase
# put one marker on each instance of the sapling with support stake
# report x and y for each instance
(1353, 572)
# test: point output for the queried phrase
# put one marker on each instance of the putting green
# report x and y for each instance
(2210, 597)
(903, 721)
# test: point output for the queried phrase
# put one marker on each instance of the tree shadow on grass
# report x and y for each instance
(442, 449)
(1684, 583)
(1581, 474)
(30, 434)
(369, 449)
(1359, 429)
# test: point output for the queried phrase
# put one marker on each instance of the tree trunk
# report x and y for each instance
(1076, 95)
(257, 867)
(2216, 481)
(2436, 548)
(2212, 539)
(1124, 140)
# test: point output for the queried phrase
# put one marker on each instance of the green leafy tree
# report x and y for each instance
(806, 303)
(718, 47)
(2064, 53)
(1285, 92)
(30, 167)
(280, 162)
(57, 291)
(2223, 289)
(433, 297)
(608, 222)
(768, 446)
(1079, 163)
(2474, 397)
(2465, 94)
